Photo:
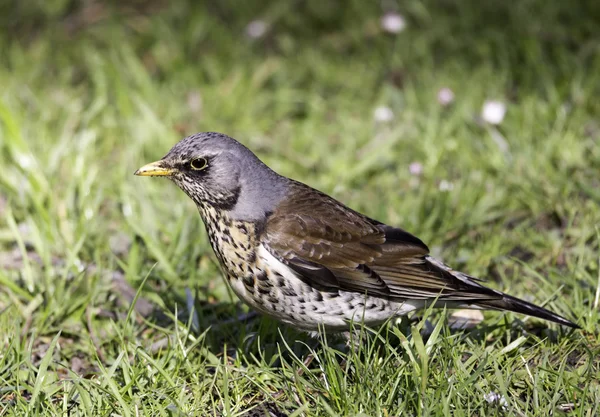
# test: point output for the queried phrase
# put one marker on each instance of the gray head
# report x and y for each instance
(218, 171)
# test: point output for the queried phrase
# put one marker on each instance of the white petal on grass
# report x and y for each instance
(393, 22)
(493, 112)
(256, 29)
(24, 229)
(465, 319)
(25, 161)
(415, 168)
(194, 101)
(445, 96)
(567, 407)
(495, 398)
(445, 185)
(77, 263)
(127, 210)
(383, 114)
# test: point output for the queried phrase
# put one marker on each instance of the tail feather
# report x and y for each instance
(517, 305)
(475, 294)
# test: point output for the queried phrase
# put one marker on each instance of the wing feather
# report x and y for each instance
(333, 247)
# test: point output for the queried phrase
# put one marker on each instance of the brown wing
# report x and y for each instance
(332, 246)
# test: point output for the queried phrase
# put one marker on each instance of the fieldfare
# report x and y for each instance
(302, 257)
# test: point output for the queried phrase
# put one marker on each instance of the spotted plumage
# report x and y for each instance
(300, 256)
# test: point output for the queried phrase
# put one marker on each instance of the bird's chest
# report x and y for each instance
(234, 242)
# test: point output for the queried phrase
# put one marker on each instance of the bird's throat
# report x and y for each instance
(233, 241)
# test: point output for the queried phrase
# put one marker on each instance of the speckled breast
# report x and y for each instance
(234, 242)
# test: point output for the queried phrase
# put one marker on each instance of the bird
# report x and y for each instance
(298, 255)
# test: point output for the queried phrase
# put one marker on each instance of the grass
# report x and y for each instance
(111, 302)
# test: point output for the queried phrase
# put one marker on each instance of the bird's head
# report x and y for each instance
(214, 169)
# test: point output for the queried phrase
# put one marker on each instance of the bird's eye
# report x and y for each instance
(198, 164)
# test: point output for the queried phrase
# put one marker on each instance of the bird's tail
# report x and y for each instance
(475, 295)
(517, 305)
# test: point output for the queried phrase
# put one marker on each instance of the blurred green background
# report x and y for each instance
(474, 125)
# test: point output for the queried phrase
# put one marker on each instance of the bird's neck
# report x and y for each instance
(259, 195)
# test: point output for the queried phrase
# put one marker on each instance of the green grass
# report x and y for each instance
(89, 96)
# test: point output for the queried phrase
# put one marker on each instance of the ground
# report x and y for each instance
(111, 302)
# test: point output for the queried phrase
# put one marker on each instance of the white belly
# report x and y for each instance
(291, 300)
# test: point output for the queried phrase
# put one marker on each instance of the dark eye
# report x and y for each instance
(198, 164)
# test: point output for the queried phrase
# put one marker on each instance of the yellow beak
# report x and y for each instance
(154, 169)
